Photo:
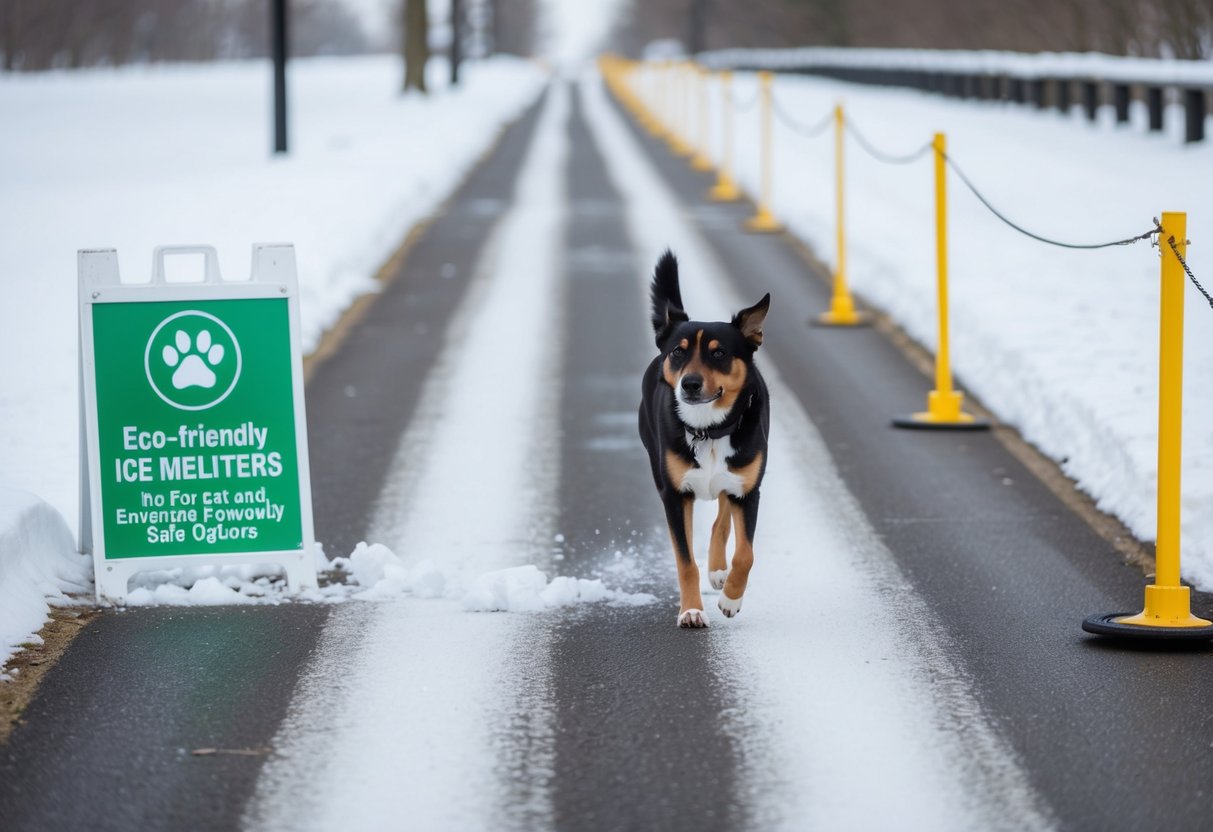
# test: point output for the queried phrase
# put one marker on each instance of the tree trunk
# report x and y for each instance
(456, 40)
(416, 44)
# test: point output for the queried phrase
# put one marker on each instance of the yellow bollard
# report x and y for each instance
(944, 405)
(1167, 613)
(700, 160)
(725, 189)
(842, 305)
(764, 222)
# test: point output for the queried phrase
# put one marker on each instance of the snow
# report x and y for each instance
(1073, 65)
(451, 665)
(139, 157)
(38, 565)
(1061, 344)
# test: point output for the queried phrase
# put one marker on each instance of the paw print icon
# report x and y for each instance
(192, 360)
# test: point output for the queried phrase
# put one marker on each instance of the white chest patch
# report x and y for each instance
(712, 476)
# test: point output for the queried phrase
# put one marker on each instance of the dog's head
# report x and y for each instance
(706, 364)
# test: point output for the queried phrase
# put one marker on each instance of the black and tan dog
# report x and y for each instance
(704, 420)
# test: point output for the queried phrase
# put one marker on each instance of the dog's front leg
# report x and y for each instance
(678, 512)
(745, 519)
(718, 564)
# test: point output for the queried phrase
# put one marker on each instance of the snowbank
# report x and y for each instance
(373, 572)
(137, 157)
(1073, 65)
(38, 564)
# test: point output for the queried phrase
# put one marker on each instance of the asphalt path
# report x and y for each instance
(1112, 737)
(638, 704)
(108, 740)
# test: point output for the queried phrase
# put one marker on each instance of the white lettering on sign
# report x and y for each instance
(247, 435)
(241, 466)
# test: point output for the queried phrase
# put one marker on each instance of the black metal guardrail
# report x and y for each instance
(999, 81)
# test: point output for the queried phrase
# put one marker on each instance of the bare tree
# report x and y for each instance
(416, 42)
(44, 34)
(1179, 28)
(514, 26)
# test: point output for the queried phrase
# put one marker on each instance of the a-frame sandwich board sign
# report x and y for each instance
(194, 439)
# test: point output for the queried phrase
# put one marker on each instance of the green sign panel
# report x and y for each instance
(196, 427)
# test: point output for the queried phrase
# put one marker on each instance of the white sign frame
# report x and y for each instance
(273, 276)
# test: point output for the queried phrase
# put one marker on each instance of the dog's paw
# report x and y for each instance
(716, 578)
(692, 619)
(729, 606)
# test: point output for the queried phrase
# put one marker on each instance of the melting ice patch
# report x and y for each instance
(526, 589)
(373, 572)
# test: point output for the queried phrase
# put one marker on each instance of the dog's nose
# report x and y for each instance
(692, 385)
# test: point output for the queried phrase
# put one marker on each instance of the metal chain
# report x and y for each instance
(881, 155)
(1184, 263)
(1127, 241)
(809, 132)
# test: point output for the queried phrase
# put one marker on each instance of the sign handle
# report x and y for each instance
(210, 256)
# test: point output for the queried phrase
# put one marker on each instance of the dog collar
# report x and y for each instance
(723, 429)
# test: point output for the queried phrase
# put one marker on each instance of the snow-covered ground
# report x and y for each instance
(1074, 65)
(1062, 344)
(138, 157)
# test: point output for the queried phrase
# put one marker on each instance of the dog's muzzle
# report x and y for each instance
(692, 390)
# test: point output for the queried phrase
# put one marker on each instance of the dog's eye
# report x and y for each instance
(717, 354)
(678, 352)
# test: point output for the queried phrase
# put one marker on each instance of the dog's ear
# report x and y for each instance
(750, 320)
(666, 298)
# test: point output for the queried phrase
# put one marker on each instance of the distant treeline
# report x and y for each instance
(50, 34)
(46, 34)
(1147, 28)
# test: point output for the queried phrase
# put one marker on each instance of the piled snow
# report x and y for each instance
(1061, 344)
(138, 157)
(38, 565)
(372, 572)
(1073, 65)
(134, 158)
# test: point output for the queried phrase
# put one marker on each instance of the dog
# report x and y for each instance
(704, 420)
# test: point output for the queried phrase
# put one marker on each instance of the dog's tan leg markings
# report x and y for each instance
(749, 473)
(676, 469)
(739, 574)
(718, 566)
(690, 606)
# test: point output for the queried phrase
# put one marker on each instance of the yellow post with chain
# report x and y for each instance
(764, 222)
(1167, 612)
(701, 161)
(842, 305)
(725, 190)
(945, 406)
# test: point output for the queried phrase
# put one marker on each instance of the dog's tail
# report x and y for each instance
(666, 297)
